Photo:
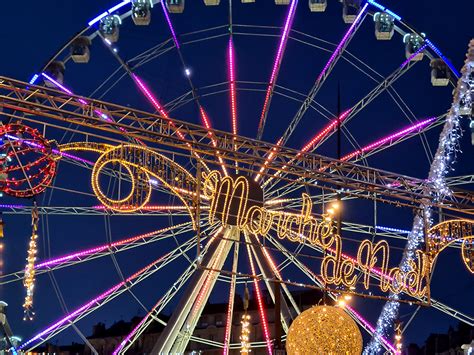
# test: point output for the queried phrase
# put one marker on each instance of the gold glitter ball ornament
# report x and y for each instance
(324, 330)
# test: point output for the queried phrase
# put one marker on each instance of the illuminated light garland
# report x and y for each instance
(76, 255)
(245, 334)
(440, 166)
(276, 65)
(398, 338)
(233, 102)
(170, 25)
(388, 139)
(152, 208)
(29, 278)
(70, 316)
(449, 232)
(261, 309)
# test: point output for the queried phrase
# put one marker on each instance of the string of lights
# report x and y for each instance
(440, 166)
(29, 279)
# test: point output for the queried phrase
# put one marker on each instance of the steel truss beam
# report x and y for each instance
(331, 174)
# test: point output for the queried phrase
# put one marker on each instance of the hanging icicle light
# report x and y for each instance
(29, 280)
(245, 334)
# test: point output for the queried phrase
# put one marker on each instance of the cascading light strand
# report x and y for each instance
(261, 309)
(388, 139)
(276, 66)
(29, 279)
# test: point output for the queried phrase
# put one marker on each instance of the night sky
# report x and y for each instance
(32, 31)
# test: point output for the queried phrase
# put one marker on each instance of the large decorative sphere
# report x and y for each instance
(324, 330)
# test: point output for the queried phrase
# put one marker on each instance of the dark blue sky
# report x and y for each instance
(32, 31)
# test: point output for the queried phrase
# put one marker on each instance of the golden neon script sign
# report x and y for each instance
(228, 198)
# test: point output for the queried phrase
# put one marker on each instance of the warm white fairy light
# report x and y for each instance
(441, 165)
(245, 334)
(29, 280)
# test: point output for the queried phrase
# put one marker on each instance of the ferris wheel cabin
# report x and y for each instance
(175, 6)
(413, 43)
(141, 12)
(384, 26)
(317, 5)
(350, 10)
(56, 71)
(109, 28)
(80, 52)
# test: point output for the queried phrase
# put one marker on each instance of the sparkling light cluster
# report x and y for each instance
(233, 105)
(29, 280)
(441, 165)
(324, 330)
(245, 334)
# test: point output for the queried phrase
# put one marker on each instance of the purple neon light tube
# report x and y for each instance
(276, 64)
(55, 151)
(170, 25)
(343, 41)
(89, 304)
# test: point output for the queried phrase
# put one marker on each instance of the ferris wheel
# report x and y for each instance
(145, 193)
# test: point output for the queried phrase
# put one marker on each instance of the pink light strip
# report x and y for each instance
(232, 85)
(333, 125)
(62, 259)
(276, 64)
(382, 141)
(170, 25)
(260, 304)
(228, 325)
(89, 304)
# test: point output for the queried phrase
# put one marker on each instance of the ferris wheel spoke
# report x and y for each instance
(269, 272)
(180, 327)
(152, 316)
(105, 297)
(339, 50)
(230, 307)
(277, 272)
(276, 66)
(100, 251)
(263, 318)
(460, 180)
(347, 115)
